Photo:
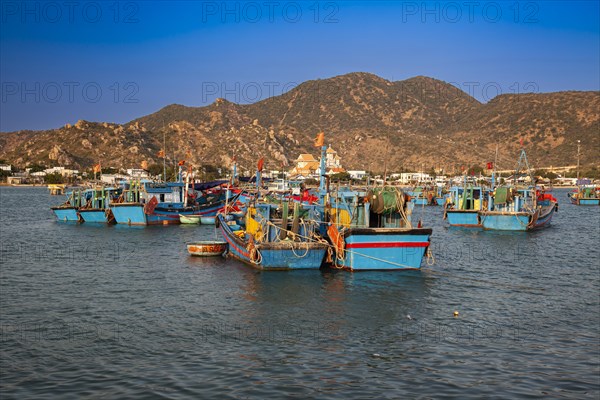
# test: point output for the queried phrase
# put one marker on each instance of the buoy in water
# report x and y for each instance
(456, 313)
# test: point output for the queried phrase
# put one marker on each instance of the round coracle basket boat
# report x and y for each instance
(209, 248)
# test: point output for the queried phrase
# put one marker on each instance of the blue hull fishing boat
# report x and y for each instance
(373, 231)
(97, 208)
(148, 203)
(526, 220)
(262, 242)
(463, 218)
(585, 196)
(69, 210)
(463, 206)
(516, 208)
(66, 213)
(423, 196)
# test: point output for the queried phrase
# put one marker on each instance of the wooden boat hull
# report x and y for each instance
(375, 249)
(129, 213)
(463, 218)
(66, 214)
(517, 221)
(585, 202)
(96, 215)
(283, 255)
(189, 219)
(207, 248)
(134, 214)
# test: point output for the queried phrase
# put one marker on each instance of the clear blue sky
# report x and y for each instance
(61, 61)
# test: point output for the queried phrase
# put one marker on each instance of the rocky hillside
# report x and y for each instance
(416, 123)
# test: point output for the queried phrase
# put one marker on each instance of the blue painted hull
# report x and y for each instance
(65, 214)
(374, 249)
(166, 216)
(133, 213)
(129, 213)
(518, 221)
(283, 255)
(464, 218)
(585, 202)
(94, 216)
(420, 201)
(499, 221)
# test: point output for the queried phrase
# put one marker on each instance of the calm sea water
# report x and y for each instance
(110, 311)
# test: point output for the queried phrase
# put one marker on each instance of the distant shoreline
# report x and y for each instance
(30, 185)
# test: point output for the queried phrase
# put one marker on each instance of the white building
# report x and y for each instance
(5, 167)
(112, 178)
(357, 174)
(137, 173)
(407, 177)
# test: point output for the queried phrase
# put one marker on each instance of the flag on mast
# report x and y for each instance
(320, 139)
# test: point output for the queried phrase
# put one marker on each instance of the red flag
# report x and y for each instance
(150, 206)
(490, 165)
(521, 141)
(260, 165)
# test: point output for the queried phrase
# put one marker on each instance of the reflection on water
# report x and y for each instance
(119, 311)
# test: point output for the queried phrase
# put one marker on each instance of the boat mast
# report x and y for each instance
(494, 168)
(164, 154)
(578, 148)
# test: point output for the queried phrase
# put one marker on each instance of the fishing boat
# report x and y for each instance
(370, 229)
(463, 206)
(266, 239)
(162, 203)
(69, 210)
(586, 194)
(265, 236)
(423, 196)
(516, 208)
(442, 196)
(373, 231)
(207, 248)
(96, 208)
(189, 219)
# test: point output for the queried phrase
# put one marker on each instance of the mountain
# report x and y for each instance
(371, 122)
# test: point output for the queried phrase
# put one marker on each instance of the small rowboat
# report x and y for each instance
(207, 248)
(207, 220)
(189, 219)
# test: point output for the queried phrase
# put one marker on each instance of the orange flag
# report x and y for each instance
(161, 153)
(144, 164)
(320, 139)
(97, 168)
(260, 165)
(181, 163)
